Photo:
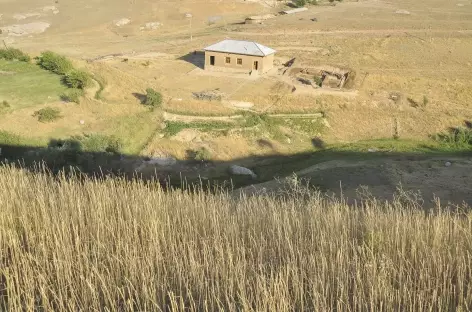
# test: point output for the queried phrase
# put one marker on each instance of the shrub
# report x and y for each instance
(202, 154)
(300, 3)
(55, 63)
(153, 98)
(5, 104)
(101, 143)
(47, 114)
(456, 137)
(8, 138)
(73, 95)
(11, 54)
(77, 79)
(318, 80)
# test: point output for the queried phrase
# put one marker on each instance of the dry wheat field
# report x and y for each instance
(82, 244)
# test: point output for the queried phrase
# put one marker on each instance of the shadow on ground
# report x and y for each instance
(434, 173)
(196, 58)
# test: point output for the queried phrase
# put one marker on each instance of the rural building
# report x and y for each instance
(240, 56)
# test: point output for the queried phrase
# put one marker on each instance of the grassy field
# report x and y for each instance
(24, 84)
(114, 245)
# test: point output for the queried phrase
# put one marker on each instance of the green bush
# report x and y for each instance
(202, 154)
(47, 114)
(11, 54)
(101, 143)
(77, 79)
(300, 3)
(153, 98)
(456, 138)
(55, 63)
(73, 95)
(8, 138)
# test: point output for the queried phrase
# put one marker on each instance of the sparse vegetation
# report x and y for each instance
(55, 63)
(456, 138)
(8, 138)
(202, 154)
(102, 84)
(174, 127)
(153, 98)
(82, 244)
(77, 79)
(4, 105)
(73, 95)
(11, 54)
(48, 114)
(100, 143)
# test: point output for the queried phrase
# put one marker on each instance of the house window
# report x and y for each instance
(240, 61)
(228, 60)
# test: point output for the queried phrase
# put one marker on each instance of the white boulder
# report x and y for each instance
(122, 22)
(238, 170)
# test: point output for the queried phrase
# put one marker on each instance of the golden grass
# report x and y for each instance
(199, 108)
(112, 245)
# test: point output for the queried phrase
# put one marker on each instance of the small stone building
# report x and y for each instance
(239, 56)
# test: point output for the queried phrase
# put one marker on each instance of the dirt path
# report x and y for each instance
(187, 118)
(353, 32)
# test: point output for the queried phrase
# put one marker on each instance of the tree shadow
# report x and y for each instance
(318, 143)
(265, 143)
(196, 58)
(141, 97)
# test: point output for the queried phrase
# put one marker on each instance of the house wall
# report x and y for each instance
(246, 67)
(268, 63)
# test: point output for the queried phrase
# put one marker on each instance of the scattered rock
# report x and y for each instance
(404, 12)
(122, 22)
(151, 26)
(314, 19)
(372, 150)
(20, 17)
(188, 15)
(82, 122)
(460, 4)
(162, 161)
(162, 125)
(448, 164)
(238, 170)
(25, 29)
(209, 95)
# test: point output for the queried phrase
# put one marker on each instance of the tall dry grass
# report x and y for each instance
(112, 245)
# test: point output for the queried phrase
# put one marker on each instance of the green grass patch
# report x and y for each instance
(135, 131)
(174, 127)
(72, 95)
(27, 85)
(102, 84)
(48, 114)
(100, 143)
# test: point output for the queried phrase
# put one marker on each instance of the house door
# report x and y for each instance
(212, 60)
(256, 65)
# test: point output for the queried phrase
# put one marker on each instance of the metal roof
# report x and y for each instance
(240, 47)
